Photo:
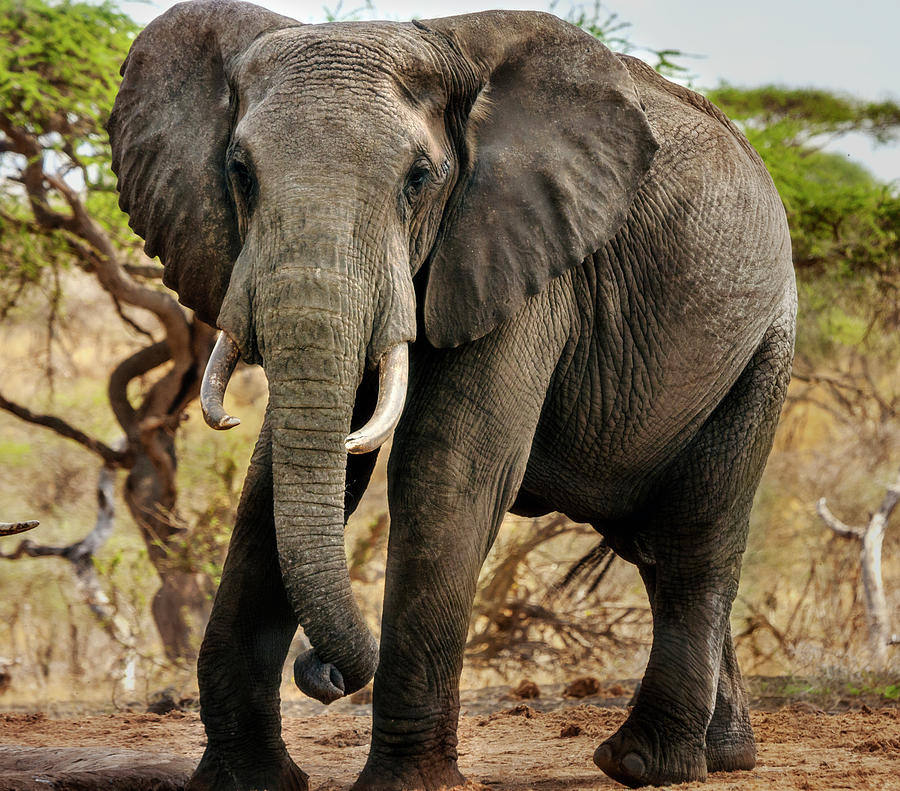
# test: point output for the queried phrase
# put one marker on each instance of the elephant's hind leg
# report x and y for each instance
(243, 653)
(690, 713)
(730, 745)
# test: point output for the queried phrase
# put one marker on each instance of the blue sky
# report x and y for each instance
(849, 47)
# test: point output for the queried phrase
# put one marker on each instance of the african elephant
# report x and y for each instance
(588, 270)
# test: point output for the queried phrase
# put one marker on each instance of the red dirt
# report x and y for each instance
(519, 748)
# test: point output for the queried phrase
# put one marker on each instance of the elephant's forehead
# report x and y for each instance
(349, 56)
(366, 84)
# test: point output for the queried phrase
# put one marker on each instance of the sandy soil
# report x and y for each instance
(520, 747)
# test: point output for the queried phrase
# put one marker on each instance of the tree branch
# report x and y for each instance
(871, 539)
(115, 458)
(13, 528)
(137, 364)
(844, 531)
(81, 556)
(128, 320)
(148, 271)
(890, 500)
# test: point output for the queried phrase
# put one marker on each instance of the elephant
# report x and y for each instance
(559, 281)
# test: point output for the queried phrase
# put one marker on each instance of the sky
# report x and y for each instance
(850, 47)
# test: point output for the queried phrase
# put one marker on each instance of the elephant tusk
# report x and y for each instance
(393, 377)
(224, 357)
(11, 528)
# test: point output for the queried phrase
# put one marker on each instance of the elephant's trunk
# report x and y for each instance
(313, 328)
(308, 467)
(311, 394)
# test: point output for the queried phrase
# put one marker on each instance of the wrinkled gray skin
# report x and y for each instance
(595, 269)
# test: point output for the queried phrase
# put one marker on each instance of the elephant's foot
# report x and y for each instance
(639, 754)
(281, 775)
(730, 748)
(394, 776)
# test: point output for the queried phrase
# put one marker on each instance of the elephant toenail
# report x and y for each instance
(603, 756)
(634, 765)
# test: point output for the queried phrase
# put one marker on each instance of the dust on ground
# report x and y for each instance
(516, 746)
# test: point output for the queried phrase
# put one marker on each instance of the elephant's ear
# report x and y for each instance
(557, 144)
(169, 131)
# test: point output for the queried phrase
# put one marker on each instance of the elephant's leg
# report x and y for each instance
(243, 653)
(730, 745)
(694, 538)
(663, 739)
(455, 469)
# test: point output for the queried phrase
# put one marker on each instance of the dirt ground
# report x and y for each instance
(518, 747)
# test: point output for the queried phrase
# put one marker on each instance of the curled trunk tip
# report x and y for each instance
(224, 358)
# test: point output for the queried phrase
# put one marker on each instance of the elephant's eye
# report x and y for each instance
(243, 187)
(417, 180)
(242, 180)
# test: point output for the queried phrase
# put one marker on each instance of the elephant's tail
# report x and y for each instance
(590, 569)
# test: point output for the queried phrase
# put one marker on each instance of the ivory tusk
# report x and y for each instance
(393, 377)
(221, 364)
(11, 528)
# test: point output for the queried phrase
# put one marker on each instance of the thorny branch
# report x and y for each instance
(508, 623)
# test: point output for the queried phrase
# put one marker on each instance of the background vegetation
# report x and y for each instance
(99, 353)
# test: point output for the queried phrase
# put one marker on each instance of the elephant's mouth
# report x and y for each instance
(393, 378)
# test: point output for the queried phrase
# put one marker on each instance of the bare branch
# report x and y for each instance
(81, 556)
(890, 500)
(128, 320)
(147, 271)
(871, 539)
(136, 365)
(13, 528)
(845, 531)
(837, 382)
(115, 458)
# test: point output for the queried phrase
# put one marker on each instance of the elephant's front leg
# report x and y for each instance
(434, 557)
(457, 462)
(243, 653)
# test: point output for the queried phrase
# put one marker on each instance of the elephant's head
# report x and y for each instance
(295, 179)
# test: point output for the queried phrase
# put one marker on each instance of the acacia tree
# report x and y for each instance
(59, 66)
